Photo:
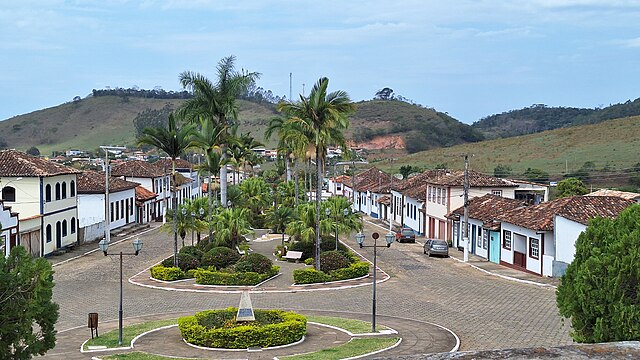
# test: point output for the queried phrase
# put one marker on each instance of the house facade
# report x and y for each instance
(186, 170)
(43, 193)
(91, 204)
(152, 178)
(9, 229)
(145, 205)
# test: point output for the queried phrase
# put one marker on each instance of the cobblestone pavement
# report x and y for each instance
(486, 312)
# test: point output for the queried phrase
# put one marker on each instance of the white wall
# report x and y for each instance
(409, 220)
(9, 227)
(566, 234)
(90, 209)
(533, 265)
(27, 202)
(479, 249)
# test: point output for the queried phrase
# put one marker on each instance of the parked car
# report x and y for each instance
(436, 247)
(406, 235)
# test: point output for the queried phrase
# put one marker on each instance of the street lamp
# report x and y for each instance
(104, 246)
(389, 238)
(228, 203)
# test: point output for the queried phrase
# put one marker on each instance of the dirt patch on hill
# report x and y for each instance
(382, 142)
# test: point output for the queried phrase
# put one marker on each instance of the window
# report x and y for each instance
(429, 193)
(9, 193)
(111, 207)
(48, 233)
(506, 239)
(122, 209)
(72, 188)
(496, 192)
(73, 225)
(444, 196)
(64, 190)
(64, 228)
(439, 195)
(479, 237)
(57, 191)
(131, 208)
(534, 248)
(485, 238)
(47, 193)
(117, 210)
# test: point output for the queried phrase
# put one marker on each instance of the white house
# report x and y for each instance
(91, 204)
(184, 168)
(9, 229)
(145, 204)
(43, 193)
(540, 239)
(150, 177)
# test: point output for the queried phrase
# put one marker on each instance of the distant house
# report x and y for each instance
(152, 178)
(43, 193)
(483, 224)
(186, 170)
(145, 201)
(9, 231)
(540, 239)
(621, 194)
(91, 204)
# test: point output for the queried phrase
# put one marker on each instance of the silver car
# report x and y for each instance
(436, 247)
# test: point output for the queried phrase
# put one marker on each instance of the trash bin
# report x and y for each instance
(93, 323)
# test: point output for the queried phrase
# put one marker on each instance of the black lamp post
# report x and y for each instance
(104, 246)
(389, 238)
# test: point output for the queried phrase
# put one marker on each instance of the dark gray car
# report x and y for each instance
(436, 247)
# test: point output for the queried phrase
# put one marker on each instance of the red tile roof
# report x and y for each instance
(165, 164)
(92, 182)
(577, 208)
(17, 163)
(487, 207)
(622, 194)
(138, 168)
(142, 194)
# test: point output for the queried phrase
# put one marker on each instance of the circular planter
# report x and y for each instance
(218, 329)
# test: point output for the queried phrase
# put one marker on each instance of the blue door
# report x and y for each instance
(494, 247)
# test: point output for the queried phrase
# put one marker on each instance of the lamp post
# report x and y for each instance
(389, 238)
(228, 203)
(104, 246)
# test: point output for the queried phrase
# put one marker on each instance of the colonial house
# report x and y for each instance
(621, 194)
(369, 186)
(337, 188)
(484, 229)
(183, 188)
(43, 193)
(9, 229)
(145, 204)
(531, 192)
(186, 169)
(540, 239)
(91, 204)
(152, 178)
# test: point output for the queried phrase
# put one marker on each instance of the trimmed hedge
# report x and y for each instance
(218, 329)
(167, 273)
(208, 277)
(333, 260)
(220, 257)
(311, 275)
(254, 263)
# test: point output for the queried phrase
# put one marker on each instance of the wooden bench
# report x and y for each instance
(293, 255)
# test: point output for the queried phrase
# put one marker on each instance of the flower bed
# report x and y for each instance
(218, 329)
(208, 277)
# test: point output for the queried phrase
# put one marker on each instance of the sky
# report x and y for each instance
(469, 58)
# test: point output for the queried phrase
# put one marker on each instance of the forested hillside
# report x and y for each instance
(540, 117)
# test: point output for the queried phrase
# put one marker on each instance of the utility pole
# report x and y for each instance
(290, 85)
(465, 226)
(107, 219)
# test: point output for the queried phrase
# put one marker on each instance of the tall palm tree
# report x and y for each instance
(174, 141)
(293, 142)
(322, 117)
(278, 219)
(231, 225)
(216, 102)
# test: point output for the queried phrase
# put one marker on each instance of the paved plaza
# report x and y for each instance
(484, 311)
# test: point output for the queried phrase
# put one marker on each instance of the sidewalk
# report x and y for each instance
(481, 263)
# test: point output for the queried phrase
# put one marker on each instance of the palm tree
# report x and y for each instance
(322, 118)
(341, 223)
(231, 225)
(279, 218)
(292, 141)
(216, 102)
(174, 141)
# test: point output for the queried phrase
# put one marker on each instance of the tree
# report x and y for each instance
(230, 226)
(33, 151)
(216, 102)
(278, 219)
(571, 187)
(28, 315)
(152, 118)
(502, 171)
(322, 117)
(600, 290)
(384, 94)
(174, 141)
(536, 175)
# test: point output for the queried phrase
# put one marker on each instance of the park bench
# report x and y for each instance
(293, 255)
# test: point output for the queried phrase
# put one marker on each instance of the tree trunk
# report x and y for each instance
(287, 167)
(210, 210)
(175, 212)
(223, 177)
(318, 199)
(297, 179)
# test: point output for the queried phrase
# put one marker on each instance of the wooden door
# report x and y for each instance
(520, 259)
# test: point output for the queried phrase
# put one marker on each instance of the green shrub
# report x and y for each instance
(309, 261)
(208, 277)
(167, 273)
(218, 329)
(309, 276)
(254, 263)
(193, 251)
(306, 247)
(329, 244)
(168, 262)
(354, 270)
(188, 262)
(333, 260)
(220, 257)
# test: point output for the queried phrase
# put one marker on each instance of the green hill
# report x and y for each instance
(540, 117)
(610, 144)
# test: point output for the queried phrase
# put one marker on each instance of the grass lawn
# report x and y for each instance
(137, 356)
(354, 347)
(351, 325)
(110, 339)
